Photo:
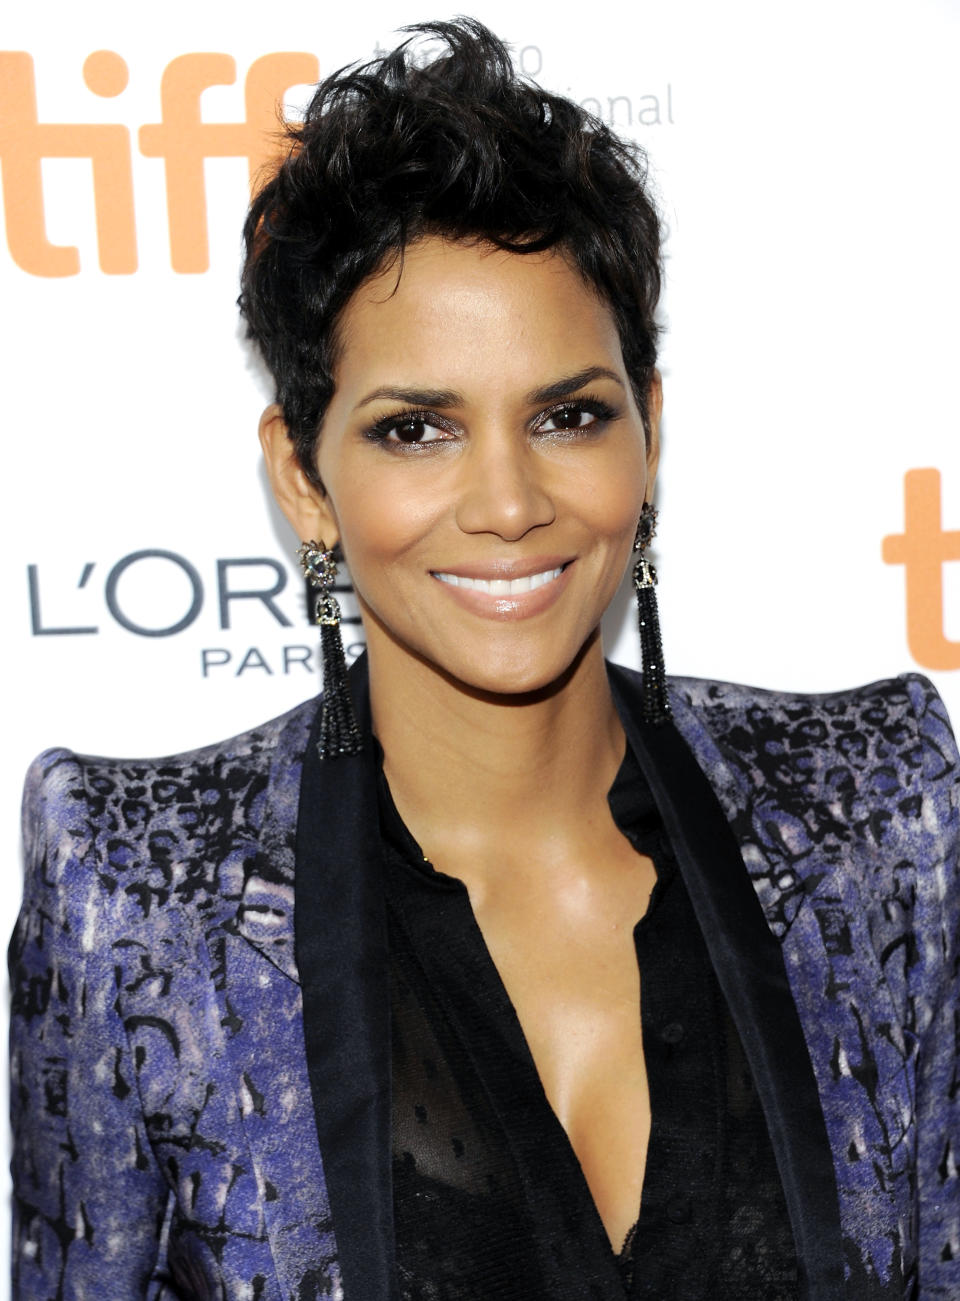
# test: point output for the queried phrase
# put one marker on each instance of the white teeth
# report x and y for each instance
(502, 586)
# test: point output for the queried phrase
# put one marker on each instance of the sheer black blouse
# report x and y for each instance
(490, 1203)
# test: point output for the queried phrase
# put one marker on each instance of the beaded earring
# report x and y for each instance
(339, 733)
(654, 704)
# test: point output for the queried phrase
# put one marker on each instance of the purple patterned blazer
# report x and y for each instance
(200, 1029)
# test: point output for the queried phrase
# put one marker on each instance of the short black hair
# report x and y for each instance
(400, 148)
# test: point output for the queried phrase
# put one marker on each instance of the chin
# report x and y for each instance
(514, 680)
(507, 667)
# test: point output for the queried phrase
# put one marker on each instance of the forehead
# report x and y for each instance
(473, 311)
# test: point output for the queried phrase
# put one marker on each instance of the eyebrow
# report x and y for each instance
(417, 397)
(443, 398)
(562, 388)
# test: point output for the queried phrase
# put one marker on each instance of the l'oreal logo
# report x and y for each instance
(256, 580)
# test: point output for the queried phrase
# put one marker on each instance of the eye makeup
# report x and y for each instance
(410, 420)
(409, 425)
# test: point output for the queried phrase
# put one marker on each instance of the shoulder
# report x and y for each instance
(127, 835)
(859, 786)
(884, 738)
(873, 705)
(59, 778)
(58, 766)
(876, 764)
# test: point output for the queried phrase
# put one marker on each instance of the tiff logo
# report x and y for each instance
(182, 139)
(923, 548)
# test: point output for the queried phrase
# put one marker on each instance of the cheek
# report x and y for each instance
(615, 500)
(622, 508)
(380, 520)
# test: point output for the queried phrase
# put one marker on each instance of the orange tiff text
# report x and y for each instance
(923, 548)
(181, 139)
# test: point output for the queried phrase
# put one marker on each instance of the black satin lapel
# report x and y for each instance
(341, 951)
(750, 969)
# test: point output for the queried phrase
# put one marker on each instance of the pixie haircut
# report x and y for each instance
(459, 146)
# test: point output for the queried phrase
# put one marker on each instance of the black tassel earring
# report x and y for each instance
(339, 733)
(654, 705)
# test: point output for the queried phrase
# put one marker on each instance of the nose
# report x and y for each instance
(505, 489)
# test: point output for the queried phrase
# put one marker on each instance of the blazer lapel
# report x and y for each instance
(750, 969)
(341, 955)
(814, 866)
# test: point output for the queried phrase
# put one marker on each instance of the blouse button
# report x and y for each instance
(678, 1210)
(672, 1032)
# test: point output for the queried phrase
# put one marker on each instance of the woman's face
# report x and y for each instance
(484, 462)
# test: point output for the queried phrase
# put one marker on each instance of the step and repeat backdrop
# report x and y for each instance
(805, 159)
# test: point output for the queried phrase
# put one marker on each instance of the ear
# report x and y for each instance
(654, 411)
(304, 502)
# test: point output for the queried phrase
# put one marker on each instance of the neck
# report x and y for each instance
(475, 775)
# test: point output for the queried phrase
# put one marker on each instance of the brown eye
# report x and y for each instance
(572, 417)
(410, 431)
(585, 415)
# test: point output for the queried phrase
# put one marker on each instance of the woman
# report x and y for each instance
(349, 1005)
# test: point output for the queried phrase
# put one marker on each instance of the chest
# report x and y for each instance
(472, 1111)
(556, 940)
(567, 958)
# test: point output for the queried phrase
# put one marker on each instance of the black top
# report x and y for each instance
(490, 1203)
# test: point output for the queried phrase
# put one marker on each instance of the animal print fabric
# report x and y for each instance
(164, 1143)
(160, 1100)
(847, 810)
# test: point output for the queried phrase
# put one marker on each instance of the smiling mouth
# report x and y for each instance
(502, 586)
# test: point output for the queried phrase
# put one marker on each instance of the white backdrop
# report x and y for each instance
(806, 159)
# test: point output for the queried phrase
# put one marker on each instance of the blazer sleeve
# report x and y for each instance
(89, 1203)
(937, 960)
